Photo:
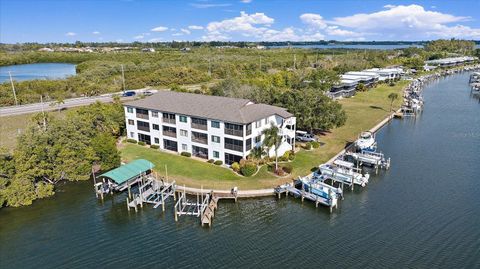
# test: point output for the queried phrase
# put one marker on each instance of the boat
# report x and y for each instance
(366, 142)
(343, 171)
(328, 193)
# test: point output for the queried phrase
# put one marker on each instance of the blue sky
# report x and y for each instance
(240, 20)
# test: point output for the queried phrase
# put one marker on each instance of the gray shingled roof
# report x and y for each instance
(211, 107)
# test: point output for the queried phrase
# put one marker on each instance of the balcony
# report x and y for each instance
(234, 132)
(142, 116)
(199, 126)
(170, 133)
(200, 138)
(169, 120)
(234, 147)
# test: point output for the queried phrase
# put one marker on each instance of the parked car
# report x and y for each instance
(303, 136)
(128, 94)
(147, 93)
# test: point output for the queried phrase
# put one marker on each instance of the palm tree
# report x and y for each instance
(272, 139)
(257, 153)
(393, 96)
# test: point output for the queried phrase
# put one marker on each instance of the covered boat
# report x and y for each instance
(366, 142)
(343, 171)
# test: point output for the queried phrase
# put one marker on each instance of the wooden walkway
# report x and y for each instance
(297, 193)
(152, 192)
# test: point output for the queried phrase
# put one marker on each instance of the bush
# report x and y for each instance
(131, 140)
(284, 157)
(392, 84)
(210, 161)
(291, 157)
(154, 146)
(280, 172)
(141, 143)
(271, 167)
(315, 144)
(235, 167)
(218, 162)
(287, 168)
(248, 169)
(308, 146)
(186, 154)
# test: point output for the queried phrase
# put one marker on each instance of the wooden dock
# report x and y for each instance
(301, 193)
(153, 192)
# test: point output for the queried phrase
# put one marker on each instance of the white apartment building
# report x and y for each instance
(209, 127)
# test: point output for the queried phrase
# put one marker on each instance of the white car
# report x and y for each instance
(305, 137)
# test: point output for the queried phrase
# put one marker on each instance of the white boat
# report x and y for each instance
(343, 171)
(366, 142)
(327, 193)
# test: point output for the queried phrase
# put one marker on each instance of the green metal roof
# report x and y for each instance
(128, 171)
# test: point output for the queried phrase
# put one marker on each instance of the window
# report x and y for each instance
(168, 118)
(258, 124)
(184, 147)
(266, 121)
(143, 125)
(184, 133)
(157, 141)
(258, 139)
(144, 138)
(215, 139)
(131, 122)
(183, 118)
(249, 129)
(234, 144)
(155, 114)
(233, 129)
(200, 152)
(142, 113)
(200, 138)
(130, 109)
(169, 131)
(199, 123)
(231, 158)
(170, 145)
(155, 127)
(132, 134)
(215, 124)
(216, 154)
(248, 145)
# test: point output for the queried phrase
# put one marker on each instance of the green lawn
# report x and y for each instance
(364, 110)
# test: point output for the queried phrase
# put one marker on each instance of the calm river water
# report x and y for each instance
(424, 212)
(37, 71)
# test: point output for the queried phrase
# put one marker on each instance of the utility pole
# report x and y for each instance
(43, 113)
(123, 79)
(13, 88)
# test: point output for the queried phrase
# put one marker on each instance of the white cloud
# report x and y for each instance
(96, 32)
(247, 25)
(71, 34)
(139, 37)
(185, 31)
(205, 5)
(119, 40)
(313, 20)
(195, 27)
(177, 34)
(157, 39)
(159, 29)
(246, 1)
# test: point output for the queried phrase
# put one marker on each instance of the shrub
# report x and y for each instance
(141, 143)
(308, 146)
(186, 154)
(392, 84)
(248, 169)
(287, 168)
(131, 140)
(235, 167)
(280, 172)
(291, 157)
(154, 146)
(271, 167)
(218, 162)
(210, 161)
(315, 144)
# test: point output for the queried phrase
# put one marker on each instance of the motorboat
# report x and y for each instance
(343, 171)
(329, 193)
(366, 142)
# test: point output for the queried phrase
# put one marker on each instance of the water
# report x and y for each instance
(23, 72)
(424, 212)
(352, 46)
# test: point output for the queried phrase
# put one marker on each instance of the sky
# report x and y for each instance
(240, 20)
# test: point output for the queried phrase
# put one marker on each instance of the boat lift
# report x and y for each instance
(375, 159)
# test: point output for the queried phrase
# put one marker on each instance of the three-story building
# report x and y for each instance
(209, 127)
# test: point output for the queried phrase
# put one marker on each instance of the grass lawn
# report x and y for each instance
(364, 110)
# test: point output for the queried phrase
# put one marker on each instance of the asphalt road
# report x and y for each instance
(49, 106)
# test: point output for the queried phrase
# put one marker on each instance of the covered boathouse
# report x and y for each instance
(122, 177)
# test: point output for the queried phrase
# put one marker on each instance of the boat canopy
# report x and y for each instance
(128, 171)
(343, 163)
